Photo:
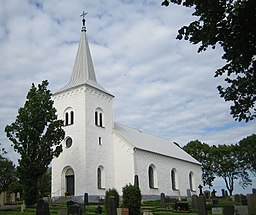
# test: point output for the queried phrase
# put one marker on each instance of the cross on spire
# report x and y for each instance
(83, 15)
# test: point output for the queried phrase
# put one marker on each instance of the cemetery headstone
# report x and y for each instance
(237, 198)
(243, 200)
(42, 207)
(207, 194)
(213, 194)
(194, 201)
(23, 207)
(228, 210)
(181, 206)
(162, 200)
(217, 211)
(226, 193)
(201, 206)
(223, 192)
(200, 190)
(251, 203)
(254, 191)
(241, 210)
(74, 209)
(86, 199)
(112, 205)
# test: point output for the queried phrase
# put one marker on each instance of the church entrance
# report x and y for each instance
(70, 182)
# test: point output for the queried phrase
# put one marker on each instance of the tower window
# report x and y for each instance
(69, 116)
(99, 117)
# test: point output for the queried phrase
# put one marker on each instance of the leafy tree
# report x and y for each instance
(7, 174)
(132, 199)
(228, 23)
(227, 165)
(111, 192)
(202, 153)
(44, 186)
(247, 152)
(36, 135)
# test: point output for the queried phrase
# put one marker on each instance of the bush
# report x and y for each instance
(132, 199)
(111, 192)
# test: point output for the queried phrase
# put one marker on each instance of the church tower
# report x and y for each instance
(86, 164)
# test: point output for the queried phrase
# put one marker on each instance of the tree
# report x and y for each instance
(132, 199)
(36, 135)
(228, 23)
(247, 152)
(202, 153)
(7, 174)
(227, 165)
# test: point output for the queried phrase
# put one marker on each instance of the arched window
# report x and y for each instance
(100, 177)
(99, 117)
(69, 116)
(174, 179)
(152, 176)
(191, 181)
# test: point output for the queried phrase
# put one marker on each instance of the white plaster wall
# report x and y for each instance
(164, 166)
(85, 154)
(124, 163)
(75, 155)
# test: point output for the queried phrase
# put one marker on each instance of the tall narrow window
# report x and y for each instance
(101, 120)
(191, 181)
(71, 117)
(100, 177)
(174, 179)
(66, 118)
(96, 118)
(100, 143)
(151, 177)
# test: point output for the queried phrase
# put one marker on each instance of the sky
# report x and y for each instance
(161, 85)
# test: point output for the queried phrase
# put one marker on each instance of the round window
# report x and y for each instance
(69, 142)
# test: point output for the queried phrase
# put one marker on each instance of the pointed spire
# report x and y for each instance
(83, 70)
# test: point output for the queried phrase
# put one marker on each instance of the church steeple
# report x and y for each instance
(83, 70)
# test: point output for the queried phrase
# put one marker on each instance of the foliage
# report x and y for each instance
(7, 174)
(44, 186)
(36, 135)
(247, 152)
(132, 199)
(111, 192)
(228, 23)
(202, 153)
(226, 164)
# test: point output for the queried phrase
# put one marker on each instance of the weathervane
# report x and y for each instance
(83, 20)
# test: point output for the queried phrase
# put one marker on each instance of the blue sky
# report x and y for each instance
(161, 85)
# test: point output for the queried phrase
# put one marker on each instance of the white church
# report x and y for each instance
(99, 154)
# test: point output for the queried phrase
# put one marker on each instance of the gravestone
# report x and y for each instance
(251, 203)
(74, 209)
(217, 211)
(112, 205)
(237, 198)
(42, 207)
(254, 191)
(223, 192)
(86, 202)
(23, 207)
(200, 190)
(194, 201)
(226, 193)
(241, 210)
(201, 206)
(162, 200)
(207, 194)
(228, 210)
(213, 194)
(243, 200)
